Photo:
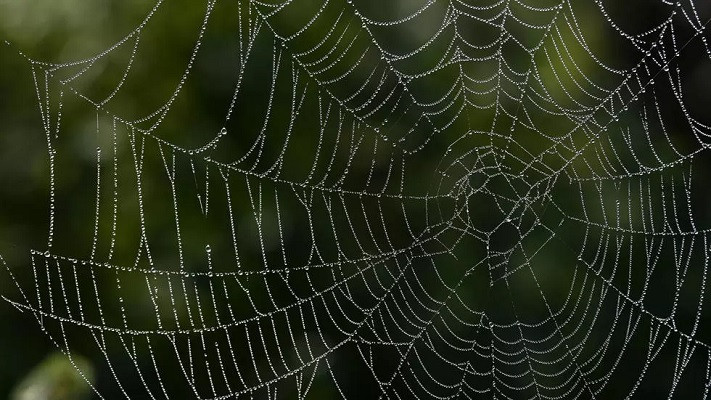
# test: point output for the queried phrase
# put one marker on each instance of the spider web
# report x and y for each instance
(432, 199)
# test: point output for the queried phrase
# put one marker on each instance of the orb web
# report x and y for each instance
(430, 199)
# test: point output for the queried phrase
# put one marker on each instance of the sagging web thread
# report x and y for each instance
(457, 199)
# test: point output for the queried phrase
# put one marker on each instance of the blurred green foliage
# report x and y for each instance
(56, 378)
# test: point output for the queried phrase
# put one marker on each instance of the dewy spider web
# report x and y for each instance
(431, 199)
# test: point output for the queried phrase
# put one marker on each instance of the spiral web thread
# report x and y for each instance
(439, 199)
